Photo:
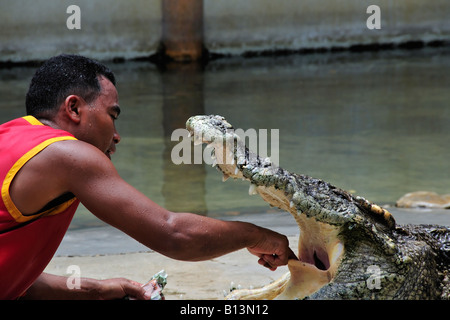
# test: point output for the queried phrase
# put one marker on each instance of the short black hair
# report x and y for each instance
(61, 76)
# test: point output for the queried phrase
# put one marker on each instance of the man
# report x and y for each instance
(58, 156)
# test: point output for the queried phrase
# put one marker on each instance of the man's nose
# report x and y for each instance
(116, 137)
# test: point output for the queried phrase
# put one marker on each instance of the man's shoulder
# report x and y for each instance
(69, 163)
(75, 150)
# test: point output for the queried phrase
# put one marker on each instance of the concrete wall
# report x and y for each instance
(114, 28)
(237, 25)
(117, 28)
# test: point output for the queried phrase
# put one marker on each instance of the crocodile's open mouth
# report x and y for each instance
(319, 257)
(319, 251)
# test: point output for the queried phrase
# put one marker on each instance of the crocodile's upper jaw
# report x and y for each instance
(320, 249)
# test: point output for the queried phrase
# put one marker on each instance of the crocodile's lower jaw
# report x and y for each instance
(319, 255)
(305, 279)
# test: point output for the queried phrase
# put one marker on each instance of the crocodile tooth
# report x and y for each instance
(236, 171)
(225, 177)
(252, 190)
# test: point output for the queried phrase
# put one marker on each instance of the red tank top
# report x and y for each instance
(27, 243)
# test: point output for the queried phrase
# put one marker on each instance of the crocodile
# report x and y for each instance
(349, 248)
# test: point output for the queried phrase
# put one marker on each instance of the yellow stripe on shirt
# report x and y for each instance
(12, 209)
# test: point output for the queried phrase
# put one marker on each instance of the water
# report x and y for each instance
(373, 123)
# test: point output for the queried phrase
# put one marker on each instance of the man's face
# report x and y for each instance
(98, 119)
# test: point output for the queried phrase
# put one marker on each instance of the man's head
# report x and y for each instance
(78, 95)
(62, 76)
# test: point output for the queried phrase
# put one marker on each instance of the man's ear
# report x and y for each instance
(72, 106)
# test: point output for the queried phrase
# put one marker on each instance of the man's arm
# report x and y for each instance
(53, 287)
(82, 169)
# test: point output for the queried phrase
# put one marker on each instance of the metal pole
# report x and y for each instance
(182, 30)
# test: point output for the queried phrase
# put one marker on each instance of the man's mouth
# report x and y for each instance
(109, 153)
(111, 150)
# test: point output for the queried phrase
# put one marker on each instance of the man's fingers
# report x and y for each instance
(292, 255)
(135, 290)
(273, 250)
(272, 261)
(266, 264)
(280, 260)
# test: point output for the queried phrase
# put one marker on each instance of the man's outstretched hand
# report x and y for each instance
(273, 250)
